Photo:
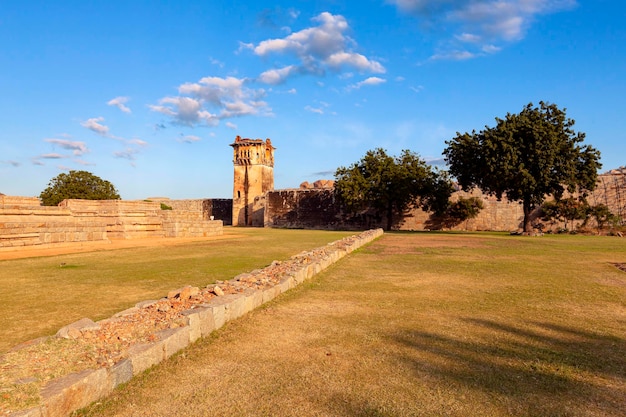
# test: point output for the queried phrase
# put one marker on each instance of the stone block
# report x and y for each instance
(120, 373)
(270, 293)
(236, 306)
(207, 320)
(66, 394)
(174, 339)
(253, 299)
(145, 355)
(286, 283)
(217, 307)
(74, 330)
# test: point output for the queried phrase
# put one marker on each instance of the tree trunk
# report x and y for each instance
(528, 227)
(389, 216)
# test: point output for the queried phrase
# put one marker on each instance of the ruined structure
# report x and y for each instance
(253, 160)
(25, 222)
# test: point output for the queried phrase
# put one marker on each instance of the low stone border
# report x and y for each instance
(230, 300)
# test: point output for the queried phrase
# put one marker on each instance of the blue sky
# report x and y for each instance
(149, 94)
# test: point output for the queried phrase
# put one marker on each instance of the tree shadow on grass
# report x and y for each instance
(534, 369)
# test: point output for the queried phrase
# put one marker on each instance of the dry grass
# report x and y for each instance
(487, 325)
(39, 295)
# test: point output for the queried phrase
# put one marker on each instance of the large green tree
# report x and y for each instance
(80, 185)
(526, 156)
(390, 185)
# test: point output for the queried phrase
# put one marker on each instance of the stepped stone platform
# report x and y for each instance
(110, 352)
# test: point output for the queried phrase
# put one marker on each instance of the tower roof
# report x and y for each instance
(239, 141)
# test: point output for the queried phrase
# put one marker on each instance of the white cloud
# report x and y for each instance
(77, 148)
(368, 81)
(185, 111)
(189, 139)
(317, 110)
(468, 37)
(317, 48)
(83, 162)
(137, 142)
(128, 153)
(231, 125)
(485, 23)
(95, 125)
(51, 156)
(490, 49)
(278, 76)
(228, 95)
(453, 55)
(120, 103)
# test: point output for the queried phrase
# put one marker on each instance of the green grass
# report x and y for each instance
(417, 324)
(40, 295)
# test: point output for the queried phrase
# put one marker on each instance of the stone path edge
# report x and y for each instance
(62, 396)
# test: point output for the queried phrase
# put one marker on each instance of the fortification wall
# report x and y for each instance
(24, 222)
(318, 209)
(314, 208)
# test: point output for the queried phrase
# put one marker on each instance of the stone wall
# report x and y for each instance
(317, 209)
(219, 208)
(25, 222)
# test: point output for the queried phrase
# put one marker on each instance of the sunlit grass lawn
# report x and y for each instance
(40, 295)
(417, 324)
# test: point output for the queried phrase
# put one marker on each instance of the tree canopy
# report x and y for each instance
(80, 185)
(526, 156)
(390, 185)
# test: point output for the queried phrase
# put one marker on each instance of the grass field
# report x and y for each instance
(39, 295)
(416, 324)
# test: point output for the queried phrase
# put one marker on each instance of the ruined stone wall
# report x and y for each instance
(305, 208)
(186, 224)
(25, 222)
(219, 208)
(314, 208)
(611, 190)
(124, 219)
(317, 209)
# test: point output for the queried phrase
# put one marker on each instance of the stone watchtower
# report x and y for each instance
(254, 176)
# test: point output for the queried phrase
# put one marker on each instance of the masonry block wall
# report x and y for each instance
(24, 222)
(317, 209)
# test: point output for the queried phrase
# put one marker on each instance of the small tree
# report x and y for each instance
(462, 210)
(602, 214)
(77, 184)
(526, 156)
(390, 185)
(566, 210)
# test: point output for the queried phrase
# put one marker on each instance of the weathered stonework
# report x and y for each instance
(316, 208)
(253, 161)
(25, 222)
